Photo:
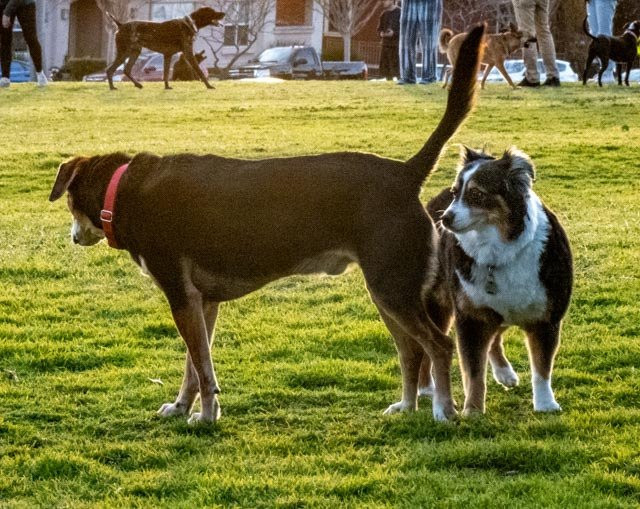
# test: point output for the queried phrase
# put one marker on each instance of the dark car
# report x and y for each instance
(286, 62)
(20, 71)
(148, 67)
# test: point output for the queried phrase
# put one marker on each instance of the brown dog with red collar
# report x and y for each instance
(210, 229)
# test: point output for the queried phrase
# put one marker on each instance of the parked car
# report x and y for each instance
(148, 67)
(297, 62)
(20, 71)
(515, 69)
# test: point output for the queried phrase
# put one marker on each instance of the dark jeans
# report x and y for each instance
(389, 64)
(27, 17)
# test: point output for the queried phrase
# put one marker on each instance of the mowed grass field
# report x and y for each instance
(306, 366)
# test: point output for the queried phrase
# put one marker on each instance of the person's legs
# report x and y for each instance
(6, 40)
(545, 39)
(429, 33)
(27, 17)
(524, 11)
(605, 10)
(408, 33)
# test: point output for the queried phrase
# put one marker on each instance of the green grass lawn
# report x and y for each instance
(306, 366)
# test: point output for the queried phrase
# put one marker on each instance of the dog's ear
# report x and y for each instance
(66, 173)
(522, 172)
(468, 155)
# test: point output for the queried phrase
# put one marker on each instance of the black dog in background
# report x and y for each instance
(168, 38)
(621, 49)
(182, 71)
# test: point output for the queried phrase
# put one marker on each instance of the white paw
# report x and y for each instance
(400, 406)
(426, 391)
(443, 412)
(548, 405)
(505, 375)
(198, 417)
(171, 409)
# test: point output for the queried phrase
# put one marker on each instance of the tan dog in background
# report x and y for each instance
(497, 47)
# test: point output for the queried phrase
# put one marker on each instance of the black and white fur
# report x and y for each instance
(504, 260)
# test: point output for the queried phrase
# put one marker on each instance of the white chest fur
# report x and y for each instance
(517, 293)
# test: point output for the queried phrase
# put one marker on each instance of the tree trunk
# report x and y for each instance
(346, 47)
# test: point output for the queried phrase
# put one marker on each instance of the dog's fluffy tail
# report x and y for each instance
(443, 39)
(585, 27)
(113, 18)
(459, 104)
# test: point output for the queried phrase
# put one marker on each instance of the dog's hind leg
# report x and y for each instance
(604, 63)
(590, 59)
(120, 58)
(134, 53)
(503, 371)
(410, 354)
(629, 65)
(442, 316)
(543, 340)
(190, 386)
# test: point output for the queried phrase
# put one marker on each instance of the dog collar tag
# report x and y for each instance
(108, 211)
(490, 286)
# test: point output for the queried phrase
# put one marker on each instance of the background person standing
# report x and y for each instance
(389, 30)
(600, 14)
(25, 11)
(419, 20)
(533, 19)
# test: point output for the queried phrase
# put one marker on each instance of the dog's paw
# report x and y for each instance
(505, 375)
(400, 406)
(171, 409)
(472, 412)
(443, 412)
(547, 405)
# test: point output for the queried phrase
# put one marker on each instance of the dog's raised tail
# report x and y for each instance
(443, 39)
(459, 104)
(585, 27)
(113, 18)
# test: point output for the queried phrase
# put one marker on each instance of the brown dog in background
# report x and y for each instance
(497, 48)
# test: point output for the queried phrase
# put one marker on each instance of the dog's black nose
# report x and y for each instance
(447, 219)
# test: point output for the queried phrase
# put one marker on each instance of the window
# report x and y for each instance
(236, 27)
(162, 11)
(293, 12)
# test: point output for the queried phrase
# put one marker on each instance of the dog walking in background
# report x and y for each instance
(622, 50)
(209, 229)
(504, 260)
(168, 38)
(497, 49)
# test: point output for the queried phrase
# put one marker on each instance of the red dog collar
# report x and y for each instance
(108, 211)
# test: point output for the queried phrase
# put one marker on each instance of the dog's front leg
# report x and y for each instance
(167, 66)
(190, 384)
(188, 54)
(192, 325)
(543, 341)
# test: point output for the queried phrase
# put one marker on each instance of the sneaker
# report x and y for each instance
(551, 82)
(42, 79)
(4, 82)
(526, 83)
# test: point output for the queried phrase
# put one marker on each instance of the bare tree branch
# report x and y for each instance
(347, 17)
(245, 21)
